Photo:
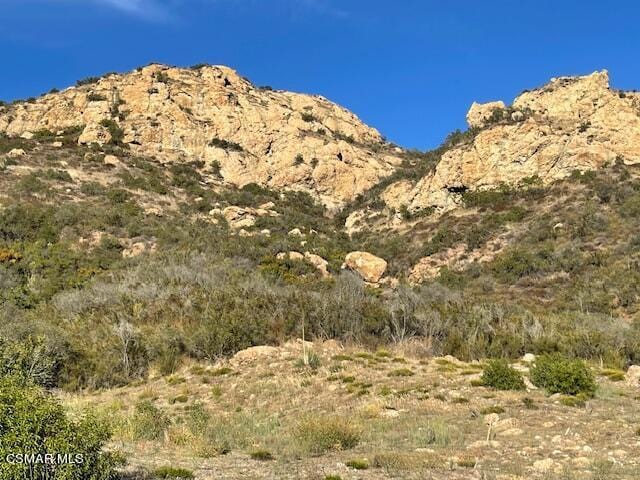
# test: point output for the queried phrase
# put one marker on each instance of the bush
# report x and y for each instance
(87, 81)
(436, 432)
(320, 434)
(261, 454)
(500, 375)
(28, 360)
(148, 422)
(172, 473)
(34, 423)
(226, 145)
(558, 374)
(117, 133)
(358, 464)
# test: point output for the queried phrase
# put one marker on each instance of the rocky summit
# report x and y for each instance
(572, 123)
(211, 114)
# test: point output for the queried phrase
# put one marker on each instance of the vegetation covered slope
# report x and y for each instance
(123, 266)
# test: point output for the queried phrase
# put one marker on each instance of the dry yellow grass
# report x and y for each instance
(312, 422)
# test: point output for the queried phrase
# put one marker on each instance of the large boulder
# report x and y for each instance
(239, 217)
(367, 265)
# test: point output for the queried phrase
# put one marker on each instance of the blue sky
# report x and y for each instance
(411, 68)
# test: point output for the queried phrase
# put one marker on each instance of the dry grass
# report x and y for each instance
(401, 426)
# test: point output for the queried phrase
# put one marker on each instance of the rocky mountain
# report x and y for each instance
(169, 245)
(572, 123)
(211, 114)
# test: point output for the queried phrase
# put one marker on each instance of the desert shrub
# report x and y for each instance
(96, 97)
(493, 409)
(558, 374)
(148, 421)
(435, 432)
(173, 473)
(226, 145)
(116, 132)
(185, 176)
(261, 454)
(286, 269)
(32, 184)
(87, 81)
(500, 375)
(161, 77)
(30, 360)
(34, 423)
(318, 434)
(358, 464)
(308, 117)
(57, 175)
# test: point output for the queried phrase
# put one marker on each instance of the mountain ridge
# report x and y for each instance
(210, 113)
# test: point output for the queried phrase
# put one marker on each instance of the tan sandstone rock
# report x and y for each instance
(213, 114)
(239, 217)
(317, 261)
(480, 113)
(572, 123)
(632, 376)
(367, 265)
(16, 152)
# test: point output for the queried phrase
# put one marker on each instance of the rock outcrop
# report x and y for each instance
(211, 114)
(367, 265)
(573, 123)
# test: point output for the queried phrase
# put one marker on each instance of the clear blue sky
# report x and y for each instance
(410, 68)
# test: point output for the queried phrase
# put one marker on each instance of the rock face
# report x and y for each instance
(480, 114)
(572, 123)
(212, 114)
(367, 265)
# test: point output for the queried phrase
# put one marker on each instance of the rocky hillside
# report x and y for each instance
(167, 237)
(572, 123)
(213, 115)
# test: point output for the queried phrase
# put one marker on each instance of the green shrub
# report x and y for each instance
(96, 97)
(320, 434)
(358, 464)
(226, 145)
(308, 117)
(173, 473)
(34, 423)
(558, 374)
(148, 421)
(261, 454)
(436, 432)
(500, 375)
(117, 133)
(87, 81)
(29, 360)
(401, 372)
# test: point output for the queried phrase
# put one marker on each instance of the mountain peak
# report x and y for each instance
(214, 115)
